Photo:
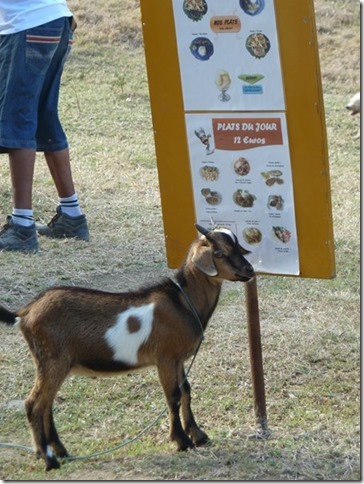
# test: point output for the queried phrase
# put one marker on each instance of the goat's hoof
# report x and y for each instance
(52, 463)
(202, 440)
(62, 453)
(199, 437)
(186, 444)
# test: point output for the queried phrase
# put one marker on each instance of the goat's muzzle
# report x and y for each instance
(246, 274)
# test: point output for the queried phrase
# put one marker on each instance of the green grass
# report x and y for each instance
(310, 328)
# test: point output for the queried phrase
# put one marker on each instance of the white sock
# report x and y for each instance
(22, 216)
(70, 205)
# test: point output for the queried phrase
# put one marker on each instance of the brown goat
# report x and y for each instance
(354, 104)
(91, 332)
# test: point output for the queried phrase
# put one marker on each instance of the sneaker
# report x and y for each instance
(62, 225)
(19, 238)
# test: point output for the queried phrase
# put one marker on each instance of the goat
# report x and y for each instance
(354, 104)
(354, 107)
(98, 333)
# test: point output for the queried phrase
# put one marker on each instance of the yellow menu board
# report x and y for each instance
(239, 128)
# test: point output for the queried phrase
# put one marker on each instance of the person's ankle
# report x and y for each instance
(70, 206)
(22, 217)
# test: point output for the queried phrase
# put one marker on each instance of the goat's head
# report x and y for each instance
(220, 255)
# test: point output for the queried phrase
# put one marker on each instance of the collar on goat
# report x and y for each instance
(193, 309)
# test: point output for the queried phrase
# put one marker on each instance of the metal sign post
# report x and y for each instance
(256, 356)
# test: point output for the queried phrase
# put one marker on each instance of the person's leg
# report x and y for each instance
(22, 163)
(60, 168)
(22, 170)
(19, 233)
(17, 138)
(69, 220)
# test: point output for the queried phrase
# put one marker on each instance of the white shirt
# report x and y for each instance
(18, 15)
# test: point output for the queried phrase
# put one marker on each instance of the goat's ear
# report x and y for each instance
(244, 251)
(203, 260)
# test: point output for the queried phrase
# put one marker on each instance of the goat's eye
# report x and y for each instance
(218, 254)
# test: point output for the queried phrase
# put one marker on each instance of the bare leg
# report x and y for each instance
(22, 163)
(60, 168)
(69, 220)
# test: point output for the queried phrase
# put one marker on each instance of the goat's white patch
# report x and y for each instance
(124, 343)
(17, 321)
(49, 452)
(229, 233)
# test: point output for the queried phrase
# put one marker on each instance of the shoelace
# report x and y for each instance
(54, 219)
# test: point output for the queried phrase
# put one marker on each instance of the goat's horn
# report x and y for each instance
(201, 229)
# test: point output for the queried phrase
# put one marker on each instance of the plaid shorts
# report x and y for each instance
(31, 66)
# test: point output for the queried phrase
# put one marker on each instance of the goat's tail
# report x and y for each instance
(8, 317)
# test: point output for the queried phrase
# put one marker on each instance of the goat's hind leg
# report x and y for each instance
(39, 412)
(53, 438)
(36, 410)
(189, 423)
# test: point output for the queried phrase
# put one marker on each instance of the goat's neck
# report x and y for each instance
(202, 290)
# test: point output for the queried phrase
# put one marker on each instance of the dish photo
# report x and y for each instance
(241, 166)
(209, 173)
(243, 198)
(252, 7)
(202, 48)
(195, 9)
(212, 197)
(273, 176)
(258, 45)
(275, 201)
(282, 234)
(252, 235)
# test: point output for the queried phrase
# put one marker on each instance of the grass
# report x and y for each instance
(310, 328)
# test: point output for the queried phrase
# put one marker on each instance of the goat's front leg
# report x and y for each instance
(168, 375)
(191, 428)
